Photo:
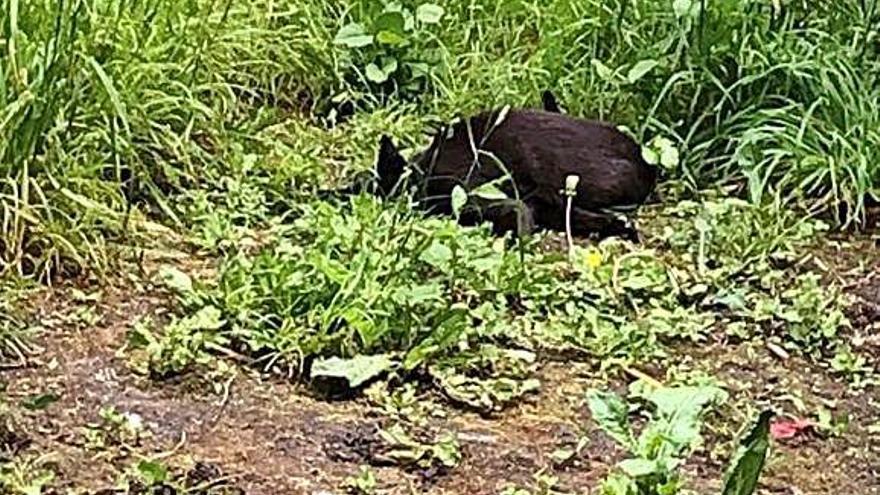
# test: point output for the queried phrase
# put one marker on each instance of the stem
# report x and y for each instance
(568, 235)
(570, 191)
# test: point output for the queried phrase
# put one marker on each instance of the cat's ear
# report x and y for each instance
(387, 150)
(389, 165)
(549, 101)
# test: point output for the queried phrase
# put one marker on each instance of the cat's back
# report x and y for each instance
(552, 146)
(565, 133)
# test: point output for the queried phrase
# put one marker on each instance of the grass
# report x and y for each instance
(373, 278)
(105, 105)
(220, 119)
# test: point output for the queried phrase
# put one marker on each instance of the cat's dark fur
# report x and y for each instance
(539, 149)
(549, 101)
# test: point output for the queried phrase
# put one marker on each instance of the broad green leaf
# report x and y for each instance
(640, 69)
(675, 400)
(175, 279)
(437, 255)
(669, 157)
(390, 38)
(152, 472)
(650, 155)
(389, 65)
(459, 199)
(355, 371)
(429, 13)
(610, 413)
(683, 407)
(375, 74)
(602, 70)
(661, 151)
(748, 461)
(638, 468)
(353, 36)
(668, 152)
(490, 192)
(40, 402)
(392, 22)
(390, 28)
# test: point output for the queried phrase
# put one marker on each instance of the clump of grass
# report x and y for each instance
(104, 105)
(109, 109)
(15, 335)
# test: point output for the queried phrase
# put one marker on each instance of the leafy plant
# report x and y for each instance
(364, 483)
(486, 379)
(396, 45)
(663, 444)
(404, 404)
(115, 429)
(372, 279)
(30, 475)
(182, 343)
(743, 258)
(354, 372)
(670, 434)
(401, 448)
(155, 475)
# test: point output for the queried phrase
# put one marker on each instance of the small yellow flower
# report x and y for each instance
(593, 258)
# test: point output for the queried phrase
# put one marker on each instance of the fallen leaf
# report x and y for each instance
(789, 428)
(354, 371)
(40, 402)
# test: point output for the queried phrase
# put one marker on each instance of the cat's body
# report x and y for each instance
(531, 152)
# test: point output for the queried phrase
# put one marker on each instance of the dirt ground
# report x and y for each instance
(262, 434)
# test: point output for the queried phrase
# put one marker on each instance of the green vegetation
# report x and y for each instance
(672, 431)
(217, 121)
(104, 104)
(374, 278)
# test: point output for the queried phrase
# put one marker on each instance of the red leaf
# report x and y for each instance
(789, 428)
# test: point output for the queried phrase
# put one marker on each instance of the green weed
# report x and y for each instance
(364, 483)
(110, 112)
(29, 475)
(659, 450)
(672, 432)
(386, 291)
(395, 48)
(15, 334)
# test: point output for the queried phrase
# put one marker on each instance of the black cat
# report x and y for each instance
(529, 154)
